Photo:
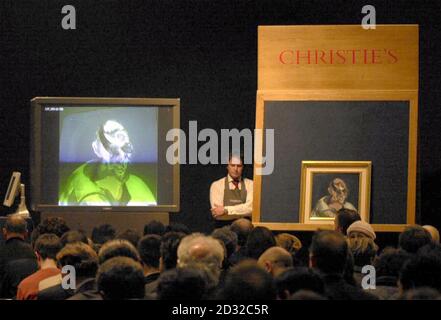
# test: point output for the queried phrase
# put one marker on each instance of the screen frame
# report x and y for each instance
(13, 189)
(37, 105)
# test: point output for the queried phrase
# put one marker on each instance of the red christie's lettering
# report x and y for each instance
(286, 57)
(341, 57)
(391, 54)
(307, 56)
(366, 56)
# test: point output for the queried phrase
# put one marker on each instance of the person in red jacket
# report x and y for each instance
(46, 249)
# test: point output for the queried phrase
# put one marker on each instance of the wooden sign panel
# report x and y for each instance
(337, 94)
(338, 57)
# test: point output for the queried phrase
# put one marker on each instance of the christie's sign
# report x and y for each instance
(338, 56)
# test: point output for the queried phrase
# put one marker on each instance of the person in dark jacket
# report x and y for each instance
(328, 255)
(17, 259)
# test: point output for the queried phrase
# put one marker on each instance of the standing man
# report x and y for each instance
(231, 197)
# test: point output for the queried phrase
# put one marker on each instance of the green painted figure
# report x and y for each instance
(107, 180)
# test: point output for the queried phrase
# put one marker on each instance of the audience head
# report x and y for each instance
(306, 295)
(182, 284)
(421, 271)
(413, 238)
(363, 250)
(301, 257)
(53, 225)
(103, 233)
(73, 236)
(361, 229)
(290, 243)
(178, 227)
(424, 293)
(169, 249)
(432, 249)
(275, 260)
(248, 281)
(345, 217)
(81, 256)
(149, 250)
(390, 262)
(242, 227)
(228, 238)
(328, 252)
(130, 235)
(47, 246)
(15, 226)
(200, 251)
(117, 248)
(434, 233)
(259, 239)
(120, 278)
(154, 227)
(293, 280)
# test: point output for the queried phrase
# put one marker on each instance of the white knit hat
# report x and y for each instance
(362, 227)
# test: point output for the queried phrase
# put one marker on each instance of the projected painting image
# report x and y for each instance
(108, 156)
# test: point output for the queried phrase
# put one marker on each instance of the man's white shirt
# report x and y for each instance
(217, 198)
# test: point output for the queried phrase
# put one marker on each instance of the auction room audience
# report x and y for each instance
(237, 262)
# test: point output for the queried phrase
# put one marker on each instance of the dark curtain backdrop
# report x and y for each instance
(204, 52)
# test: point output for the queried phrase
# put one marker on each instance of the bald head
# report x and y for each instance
(15, 226)
(243, 224)
(275, 260)
(434, 233)
(203, 252)
(242, 227)
(198, 248)
(199, 251)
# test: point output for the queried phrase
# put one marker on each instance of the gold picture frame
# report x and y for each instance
(324, 181)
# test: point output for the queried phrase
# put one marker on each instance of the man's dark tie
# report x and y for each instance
(236, 184)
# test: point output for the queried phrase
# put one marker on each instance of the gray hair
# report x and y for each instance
(201, 251)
